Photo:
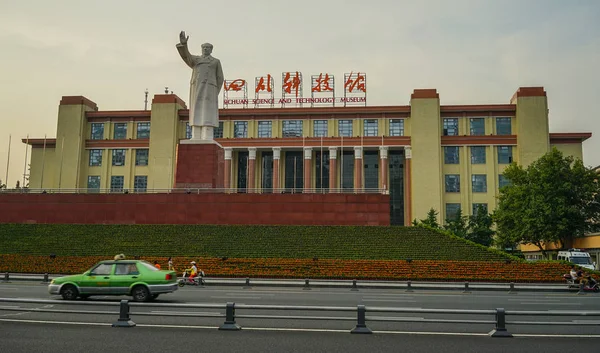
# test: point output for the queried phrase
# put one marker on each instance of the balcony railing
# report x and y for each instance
(197, 191)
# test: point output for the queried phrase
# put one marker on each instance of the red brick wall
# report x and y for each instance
(298, 209)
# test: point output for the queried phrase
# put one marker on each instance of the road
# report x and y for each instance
(177, 325)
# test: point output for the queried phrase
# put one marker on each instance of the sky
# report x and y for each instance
(471, 51)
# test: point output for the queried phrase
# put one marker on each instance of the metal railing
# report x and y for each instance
(192, 190)
(230, 323)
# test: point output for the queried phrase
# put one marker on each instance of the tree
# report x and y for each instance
(553, 200)
(431, 219)
(457, 225)
(2, 186)
(480, 227)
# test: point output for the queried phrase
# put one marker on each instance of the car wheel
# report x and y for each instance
(69, 292)
(181, 283)
(140, 294)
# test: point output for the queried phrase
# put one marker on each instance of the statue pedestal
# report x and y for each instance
(200, 164)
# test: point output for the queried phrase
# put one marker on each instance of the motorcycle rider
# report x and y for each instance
(573, 273)
(193, 271)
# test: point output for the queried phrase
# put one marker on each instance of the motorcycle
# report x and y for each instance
(591, 286)
(196, 281)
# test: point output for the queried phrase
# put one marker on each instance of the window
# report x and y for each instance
(141, 157)
(95, 158)
(188, 131)
(452, 183)
(140, 183)
(477, 154)
(120, 131)
(477, 126)
(143, 130)
(503, 181)
(97, 131)
(479, 182)
(116, 183)
(505, 154)
(265, 128)
(451, 155)
(240, 129)
(477, 206)
(397, 127)
(118, 158)
(101, 269)
(345, 128)
(292, 128)
(450, 127)
(126, 269)
(218, 131)
(370, 127)
(93, 183)
(503, 126)
(320, 128)
(452, 210)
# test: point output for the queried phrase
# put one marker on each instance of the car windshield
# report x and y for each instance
(148, 266)
(580, 260)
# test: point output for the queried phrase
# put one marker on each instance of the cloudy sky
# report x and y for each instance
(472, 51)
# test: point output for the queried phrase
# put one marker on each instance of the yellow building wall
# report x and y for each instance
(532, 129)
(570, 149)
(426, 169)
(587, 242)
(42, 161)
(164, 134)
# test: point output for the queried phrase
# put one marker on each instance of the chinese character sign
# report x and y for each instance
(355, 88)
(322, 90)
(292, 84)
(263, 91)
(322, 83)
(235, 92)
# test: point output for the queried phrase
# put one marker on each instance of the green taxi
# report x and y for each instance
(137, 278)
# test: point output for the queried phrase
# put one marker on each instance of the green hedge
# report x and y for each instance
(327, 242)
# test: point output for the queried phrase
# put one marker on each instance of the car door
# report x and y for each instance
(125, 275)
(97, 280)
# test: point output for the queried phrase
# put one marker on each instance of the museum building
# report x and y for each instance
(423, 155)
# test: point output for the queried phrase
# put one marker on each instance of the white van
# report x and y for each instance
(578, 257)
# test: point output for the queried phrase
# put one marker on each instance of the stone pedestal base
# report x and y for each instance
(199, 165)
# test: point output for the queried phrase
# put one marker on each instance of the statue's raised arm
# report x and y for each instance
(182, 48)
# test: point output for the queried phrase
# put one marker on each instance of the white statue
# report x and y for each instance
(205, 85)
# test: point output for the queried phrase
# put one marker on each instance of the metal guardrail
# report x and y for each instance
(192, 190)
(231, 316)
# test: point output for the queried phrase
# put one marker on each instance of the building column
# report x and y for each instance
(251, 169)
(358, 168)
(383, 167)
(227, 171)
(307, 169)
(407, 186)
(333, 169)
(276, 157)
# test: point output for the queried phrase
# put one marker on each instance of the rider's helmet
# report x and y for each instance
(193, 262)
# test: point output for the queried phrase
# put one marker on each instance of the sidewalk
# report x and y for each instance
(321, 283)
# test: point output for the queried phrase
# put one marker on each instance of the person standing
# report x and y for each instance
(170, 264)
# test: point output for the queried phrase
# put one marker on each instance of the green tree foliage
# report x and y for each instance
(480, 227)
(553, 200)
(2, 186)
(457, 225)
(430, 220)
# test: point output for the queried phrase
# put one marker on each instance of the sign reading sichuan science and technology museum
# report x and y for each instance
(322, 91)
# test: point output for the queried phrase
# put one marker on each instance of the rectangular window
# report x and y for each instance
(479, 182)
(93, 183)
(345, 128)
(477, 126)
(397, 127)
(188, 131)
(141, 157)
(370, 127)
(347, 169)
(478, 206)
(140, 183)
(143, 130)
(294, 171)
(451, 155)
(97, 131)
(371, 170)
(240, 129)
(322, 170)
(505, 155)
(116, 183)
(95, 158)
(292, 128)
(503, 126)
(265, 128)
(452, 182)
(452, 210)
(118, 157)
(267, 172)
(450, 127)
(320, 128)
(477, 154)
(503, 181)
(218, 131)
(120, 132)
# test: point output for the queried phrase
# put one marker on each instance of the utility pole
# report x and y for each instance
(146, 99)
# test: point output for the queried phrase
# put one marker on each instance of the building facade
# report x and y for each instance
(424, 155)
